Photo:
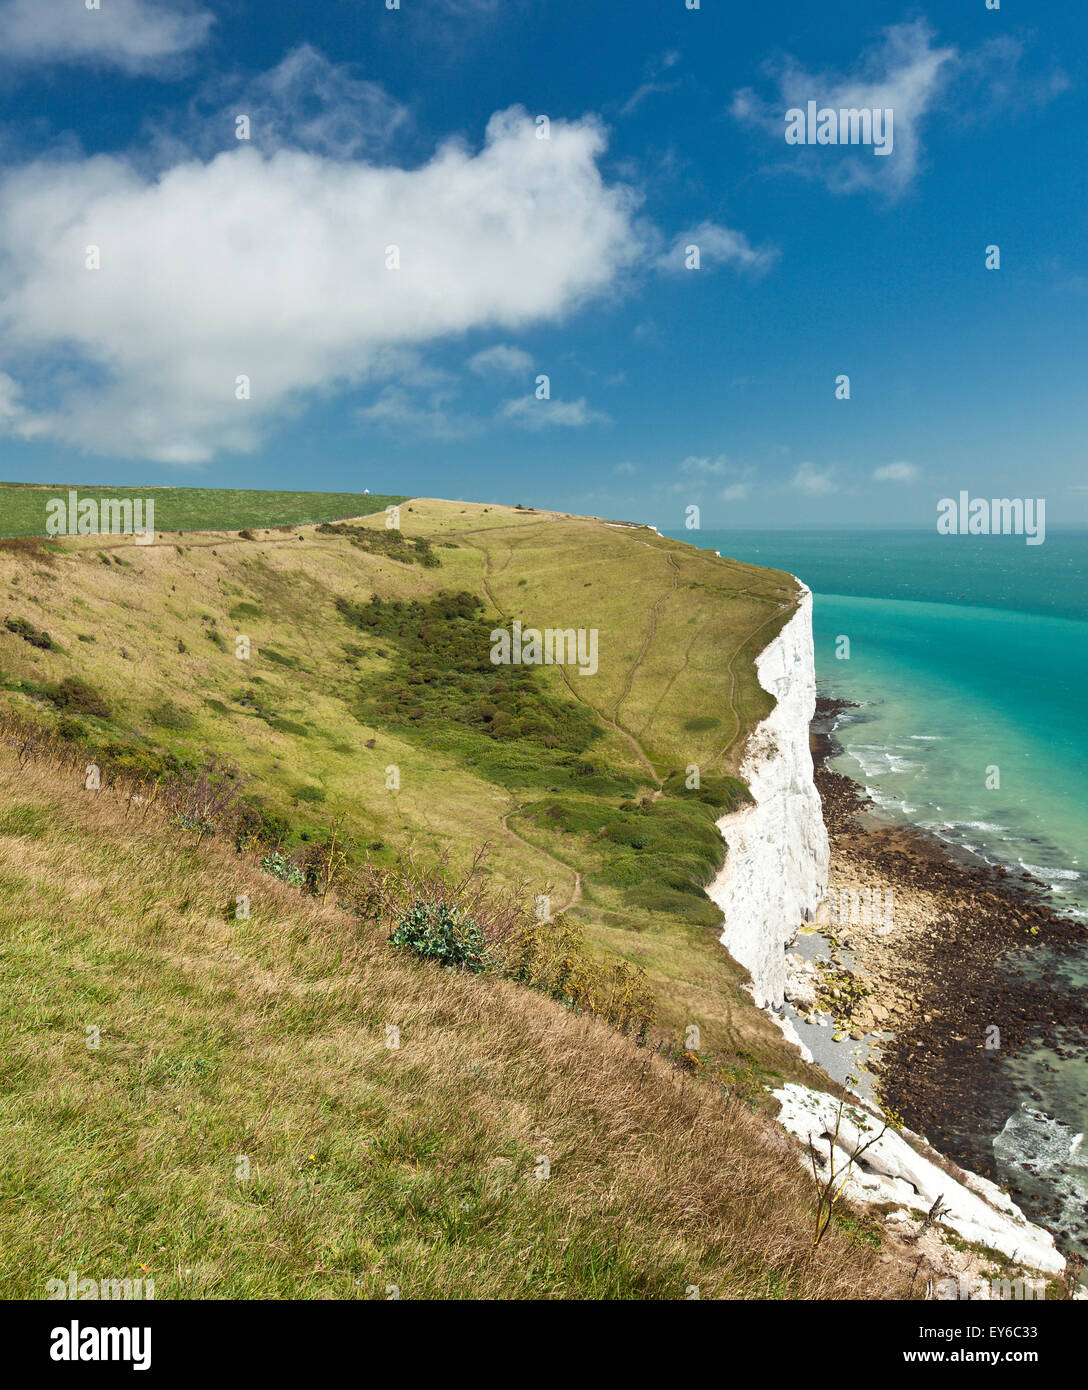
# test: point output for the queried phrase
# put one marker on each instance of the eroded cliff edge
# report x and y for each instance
(775, 872)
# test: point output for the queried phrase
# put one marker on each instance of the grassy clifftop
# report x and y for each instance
(576, 784)
(342, 672)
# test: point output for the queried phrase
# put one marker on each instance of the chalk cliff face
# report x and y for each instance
(775, 873)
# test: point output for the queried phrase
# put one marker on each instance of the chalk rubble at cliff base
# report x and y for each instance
(890, 1170)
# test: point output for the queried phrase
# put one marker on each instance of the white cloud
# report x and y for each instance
(275, 267)
(717, 246)
(813, 481)
(11, 407)
(653, 84)
(511, 361)
(139, 36)
(699, 469)
(904, 71)
(532, 414)
(399, 413)
(626, 468)
(896, 473)
(703, 465)
(993, 80)
(304, 102)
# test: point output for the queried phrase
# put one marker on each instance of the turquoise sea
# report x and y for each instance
(967, 654)
(968, 657)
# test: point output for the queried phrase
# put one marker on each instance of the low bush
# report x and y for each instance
(74, 693)
(29, 633)
(438, 931)
(279, 866)
(31, 548)
(552, 956)
(167, 715)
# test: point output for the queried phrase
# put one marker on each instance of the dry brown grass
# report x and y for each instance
(373, 1166)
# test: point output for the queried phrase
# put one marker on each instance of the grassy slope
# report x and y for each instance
(708, 617)
(369, 1166)
(678, 631)
(23, 506)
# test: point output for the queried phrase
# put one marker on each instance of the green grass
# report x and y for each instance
(339, 688)
(219, 1109)
(264, 1038)
(23, 506)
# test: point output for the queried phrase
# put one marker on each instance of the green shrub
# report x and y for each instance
(438, 931)
(389, 542)
(279, 866)
(442, 679)
(553, 957)
(74, 693)
(257, 824)
(280, 658)
(167, 715)
(29, 633)
(31, 548)
(245, 610)
(286, 726)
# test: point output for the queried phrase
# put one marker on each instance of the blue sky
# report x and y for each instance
(267, 259)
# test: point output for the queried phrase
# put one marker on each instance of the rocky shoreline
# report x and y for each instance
(954, 965)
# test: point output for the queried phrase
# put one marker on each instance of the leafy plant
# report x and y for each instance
(832, 1182)
(279, 866)
(324, 865)
(438, 931)
(204, 799)
(551, 956)
(168, 715)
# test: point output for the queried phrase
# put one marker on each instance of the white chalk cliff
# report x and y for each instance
(774, 878)
(775, 871)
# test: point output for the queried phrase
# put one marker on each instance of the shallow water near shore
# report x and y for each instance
(954, 680)
(969, 666)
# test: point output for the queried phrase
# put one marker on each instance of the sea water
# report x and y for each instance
(968, 659)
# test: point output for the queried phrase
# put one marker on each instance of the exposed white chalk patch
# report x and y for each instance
(776, 869)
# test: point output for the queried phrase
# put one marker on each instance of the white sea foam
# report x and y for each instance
(876, 760)
(1039, 871)
(1035, 1144)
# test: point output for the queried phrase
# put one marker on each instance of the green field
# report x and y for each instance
(23, 506)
